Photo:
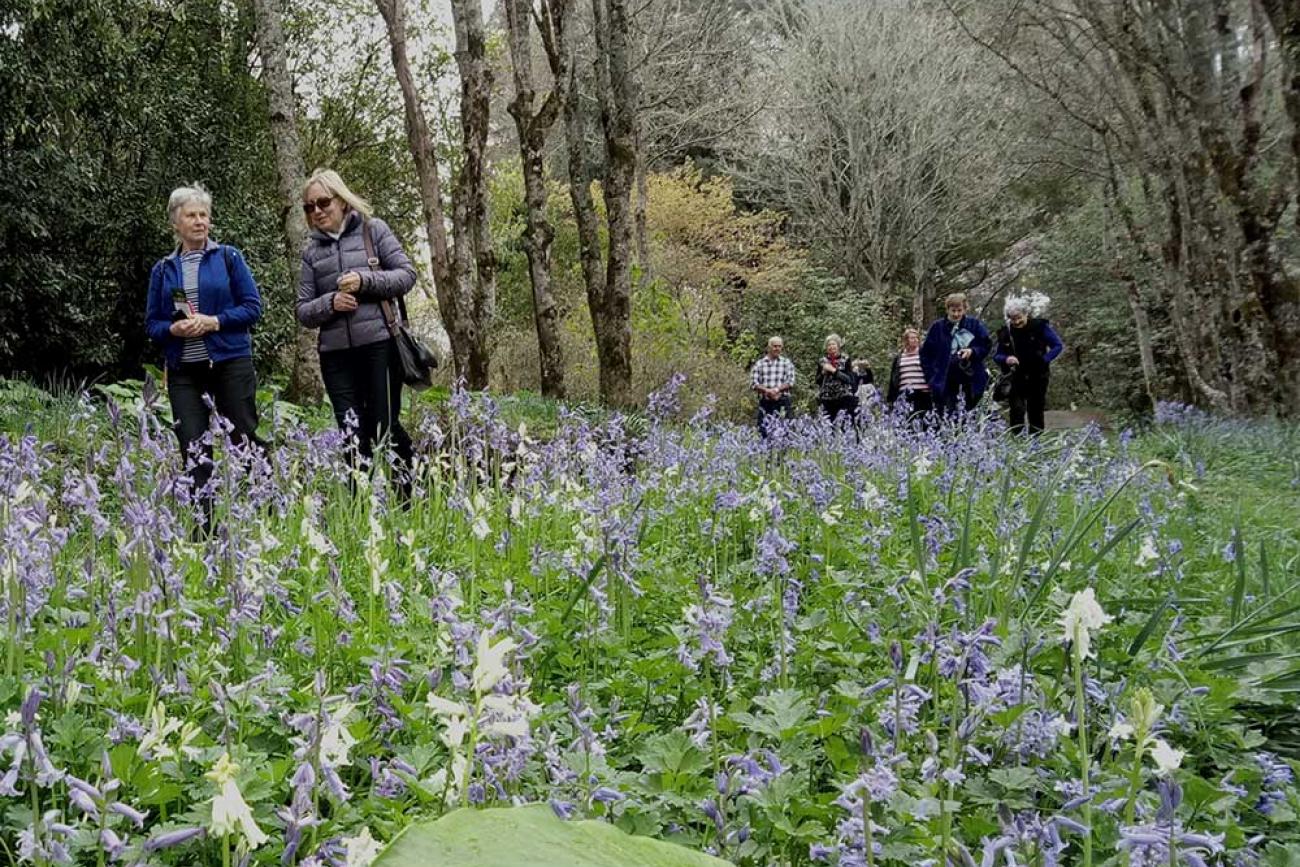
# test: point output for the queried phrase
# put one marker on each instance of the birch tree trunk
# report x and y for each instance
(474, 248)
(304, 379)
(533, 126)
(454, 305)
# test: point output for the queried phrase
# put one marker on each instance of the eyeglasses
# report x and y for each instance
(309, 207)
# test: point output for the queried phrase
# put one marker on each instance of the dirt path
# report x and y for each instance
(1059, 419)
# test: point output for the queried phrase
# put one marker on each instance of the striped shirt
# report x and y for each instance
(195, 348)
(910, 375)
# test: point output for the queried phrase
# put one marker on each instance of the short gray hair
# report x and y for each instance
(774, 338)
(833, 338)
(182, 196)
(1015, 305)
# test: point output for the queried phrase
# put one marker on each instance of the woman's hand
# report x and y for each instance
(1012, 361)
(349, 282)
(343, 302)
(964, 354)
(185, 328)
(828, 367)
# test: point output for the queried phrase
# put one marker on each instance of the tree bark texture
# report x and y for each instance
(305, 384)
(474, 249)
(454, 304)
(611, 312)
(533, 124)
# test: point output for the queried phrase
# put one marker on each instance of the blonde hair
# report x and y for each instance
(910, 330)
(330, 181)
(955, 298)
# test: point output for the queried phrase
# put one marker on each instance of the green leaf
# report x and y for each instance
(530, 835)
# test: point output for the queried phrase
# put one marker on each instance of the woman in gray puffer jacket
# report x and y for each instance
(340, 293)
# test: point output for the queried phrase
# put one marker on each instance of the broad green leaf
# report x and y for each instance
(530, 835)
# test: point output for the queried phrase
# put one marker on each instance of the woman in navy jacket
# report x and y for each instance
(1027, 346)
(953, 357)
(202, 303)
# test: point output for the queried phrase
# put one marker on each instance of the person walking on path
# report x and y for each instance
(772, 378)
(1026, 347)
(953, 355)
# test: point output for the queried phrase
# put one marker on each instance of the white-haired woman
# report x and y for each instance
(1027, 345)
(352, 269)
(836, 384)
(202, 303)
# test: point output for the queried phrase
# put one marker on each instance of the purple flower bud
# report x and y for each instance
(562, 809)
(135, 816)
(178, 837)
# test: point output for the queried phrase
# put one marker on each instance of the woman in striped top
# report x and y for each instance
(906, 378)
(202, 303)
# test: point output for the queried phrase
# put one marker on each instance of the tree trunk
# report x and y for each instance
(304, 380)
(453, 306)
(1284, 18)
(612, 315)
(533, 127)
(473, 228)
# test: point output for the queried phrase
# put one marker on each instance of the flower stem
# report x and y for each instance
(1081, 710)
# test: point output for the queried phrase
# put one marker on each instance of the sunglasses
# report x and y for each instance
(309, 207)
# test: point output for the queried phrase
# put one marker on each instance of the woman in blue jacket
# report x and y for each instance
(1027, 346)
(953, 355)
(202, 303)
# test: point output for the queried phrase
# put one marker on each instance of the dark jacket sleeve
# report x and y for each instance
(312, 311)
(1054, 345)
(1004, 347)
(982, 344)
(895, 380)
(157, 315)
(247, 308)
(934, 353)
(396, 274)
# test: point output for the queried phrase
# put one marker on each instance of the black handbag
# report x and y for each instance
(1002, 388)
(417, 360)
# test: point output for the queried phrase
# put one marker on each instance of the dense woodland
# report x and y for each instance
(605, 192)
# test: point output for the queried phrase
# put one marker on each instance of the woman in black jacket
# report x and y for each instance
(836, 384)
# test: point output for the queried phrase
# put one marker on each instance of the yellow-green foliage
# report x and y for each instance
(705, 256)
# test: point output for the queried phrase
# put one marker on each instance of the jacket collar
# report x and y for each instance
(351, 223)
(207, 248)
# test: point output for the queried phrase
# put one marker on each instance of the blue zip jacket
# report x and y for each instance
(231, 297)
(937, 359)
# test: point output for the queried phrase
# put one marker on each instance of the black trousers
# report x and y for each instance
(232, 387)
(367, 381)
(1027, 405)
(767, 408)
(960, 391)
(836, 407)
(921, 402)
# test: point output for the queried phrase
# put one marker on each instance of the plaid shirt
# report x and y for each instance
(773, 372)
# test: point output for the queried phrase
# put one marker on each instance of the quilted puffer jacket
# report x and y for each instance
(325, 258)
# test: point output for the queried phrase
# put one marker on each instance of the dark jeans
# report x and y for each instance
(1028, 403)
(232, 387)
(839, 406)
(768, 408)
(367, 380)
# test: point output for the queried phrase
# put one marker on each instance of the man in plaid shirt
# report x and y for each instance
(772, 378)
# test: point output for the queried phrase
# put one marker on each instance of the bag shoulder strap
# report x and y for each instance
(372, 262)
